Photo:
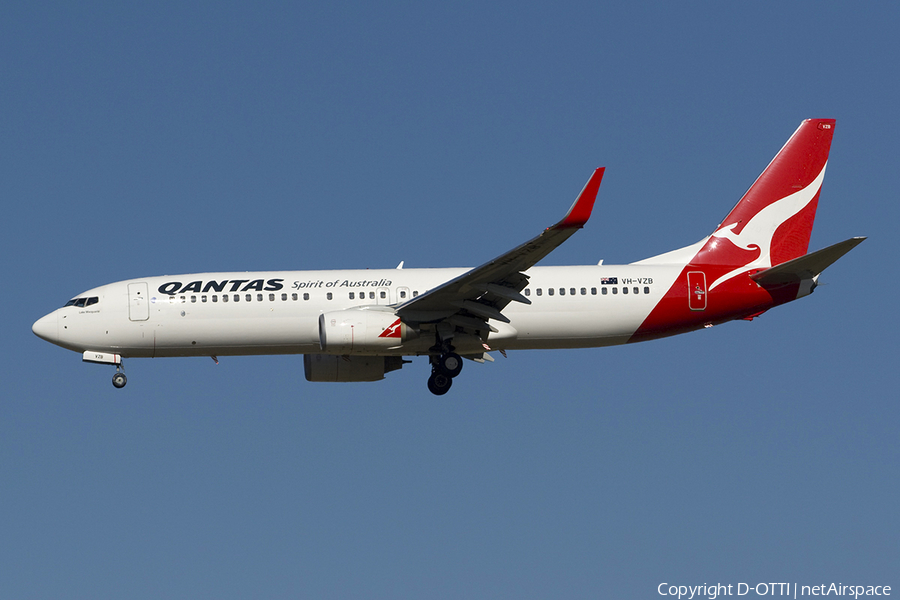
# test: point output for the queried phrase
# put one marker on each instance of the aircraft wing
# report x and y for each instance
(482, 293)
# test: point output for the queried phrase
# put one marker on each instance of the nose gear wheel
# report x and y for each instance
(119, 380)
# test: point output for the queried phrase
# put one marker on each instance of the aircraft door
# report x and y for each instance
(696, 290)
(383, 295)
(138, 302)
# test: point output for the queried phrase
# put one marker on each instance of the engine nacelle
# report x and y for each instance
(328, 367)
(360, 331)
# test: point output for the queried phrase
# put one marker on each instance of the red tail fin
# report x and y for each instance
(773, 221)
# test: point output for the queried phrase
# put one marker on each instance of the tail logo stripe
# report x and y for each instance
(758, 232)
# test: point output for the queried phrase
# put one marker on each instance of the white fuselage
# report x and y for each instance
(212, 314)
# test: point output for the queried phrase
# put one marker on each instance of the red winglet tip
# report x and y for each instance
(580, 211)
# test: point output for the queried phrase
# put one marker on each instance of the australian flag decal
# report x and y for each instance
(609, 281)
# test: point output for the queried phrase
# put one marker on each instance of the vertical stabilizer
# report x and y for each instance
(772, 223)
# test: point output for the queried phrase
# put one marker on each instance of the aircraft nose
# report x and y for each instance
(47, 327)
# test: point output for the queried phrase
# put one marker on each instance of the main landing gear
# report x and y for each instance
(443, 369)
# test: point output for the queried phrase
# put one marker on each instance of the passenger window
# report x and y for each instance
(593, 291)
(636, 290)
(237, 297)
(584, 291)
(562, 291)
(538, 291)
(572, 291)
(415, 293)
(202, 298)
(527, 292)
(646, 290)
(402, 294)
(383, 295)
(271, 297)
(182, 299)
(215, 298)
(371, 295)
(615, 291)
(284, 297)
(171, 299)
(352, 295)
(193, 299)
(603, 290)
(224, 297)
(549, 291)
(624, 290)
(329, 295)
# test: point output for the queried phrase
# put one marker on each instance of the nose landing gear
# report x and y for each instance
(106, 358)
(119, 380)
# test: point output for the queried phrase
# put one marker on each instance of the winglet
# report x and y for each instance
(580, 212)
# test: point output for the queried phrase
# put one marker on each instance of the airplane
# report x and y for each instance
(359, 325)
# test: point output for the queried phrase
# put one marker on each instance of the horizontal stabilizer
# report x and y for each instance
(805, 267)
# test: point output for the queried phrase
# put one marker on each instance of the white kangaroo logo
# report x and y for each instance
(759, 230)
(391, 331)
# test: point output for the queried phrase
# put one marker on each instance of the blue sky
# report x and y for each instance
(185, 137)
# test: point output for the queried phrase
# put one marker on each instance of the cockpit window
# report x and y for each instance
(82, 302)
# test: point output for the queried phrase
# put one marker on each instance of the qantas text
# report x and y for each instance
(237, 285)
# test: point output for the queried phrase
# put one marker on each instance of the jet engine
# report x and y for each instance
(361, 331)
(329, 367)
